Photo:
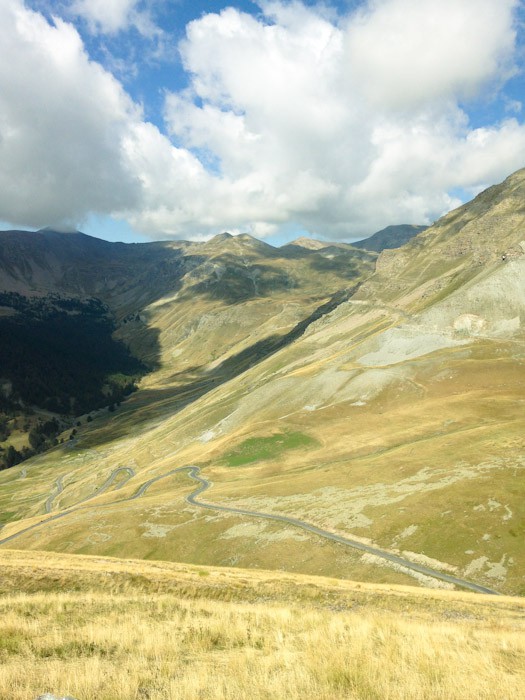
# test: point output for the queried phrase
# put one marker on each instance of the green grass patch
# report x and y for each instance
(261, 448)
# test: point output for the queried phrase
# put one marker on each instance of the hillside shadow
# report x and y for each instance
(223, 279)
(344, 266)
(197, 381)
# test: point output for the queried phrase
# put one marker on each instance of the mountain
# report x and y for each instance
(390, 237)
(125, 277)
(308, 243)
(379, 406)
(74, 314)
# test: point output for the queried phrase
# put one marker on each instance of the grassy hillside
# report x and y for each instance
(394, 416)
(105, 629)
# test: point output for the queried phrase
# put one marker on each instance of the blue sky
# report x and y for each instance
(154, 119)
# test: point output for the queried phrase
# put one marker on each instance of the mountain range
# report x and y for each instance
(378, 397)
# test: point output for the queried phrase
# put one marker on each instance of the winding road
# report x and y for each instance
(78, 506)
(59, 485)
(204, 485)
(109, 482)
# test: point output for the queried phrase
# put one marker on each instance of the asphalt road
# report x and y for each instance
(78, 506)
(59, 485)
(204, 485)
(109, 482)
(194, 473)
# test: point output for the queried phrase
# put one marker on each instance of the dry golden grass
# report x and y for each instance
(336, 640)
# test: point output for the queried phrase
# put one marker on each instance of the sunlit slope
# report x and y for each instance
(396, 418)
(469, 243)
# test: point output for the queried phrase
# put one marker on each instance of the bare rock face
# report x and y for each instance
(50, 696)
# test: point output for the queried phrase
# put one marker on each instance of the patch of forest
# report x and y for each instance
(59, 355)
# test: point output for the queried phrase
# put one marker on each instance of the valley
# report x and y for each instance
(379, 402)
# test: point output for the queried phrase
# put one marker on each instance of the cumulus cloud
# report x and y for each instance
(72, 142)
(346, 126)
(403, 53)
(62, 120)
(338, 125)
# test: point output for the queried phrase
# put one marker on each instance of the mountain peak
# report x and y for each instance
(220, 237)
(309, 243)
(390, 237)
(255, 243)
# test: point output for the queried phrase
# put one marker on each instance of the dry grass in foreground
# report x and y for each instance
(341, 640)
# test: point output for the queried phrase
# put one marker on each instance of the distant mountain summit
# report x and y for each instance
(390, 237)
(308, 243)
(220, 237)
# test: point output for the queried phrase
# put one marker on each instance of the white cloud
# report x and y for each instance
(112, 16)
(403, 53)
(346, 127)
(62, 119)
(72, 142)
(336, 125)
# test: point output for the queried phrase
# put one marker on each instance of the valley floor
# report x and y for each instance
(106, 629)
